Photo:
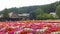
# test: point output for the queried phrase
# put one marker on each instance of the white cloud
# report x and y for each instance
(21, 3)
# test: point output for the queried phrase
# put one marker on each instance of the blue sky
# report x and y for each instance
(21, 3)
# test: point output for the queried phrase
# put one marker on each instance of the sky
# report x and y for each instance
(21, 3)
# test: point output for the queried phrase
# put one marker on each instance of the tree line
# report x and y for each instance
(39, 12)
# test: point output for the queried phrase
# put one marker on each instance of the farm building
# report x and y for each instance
(16, 16)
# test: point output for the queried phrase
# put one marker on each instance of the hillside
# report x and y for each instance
(46, 8)
(32, 10)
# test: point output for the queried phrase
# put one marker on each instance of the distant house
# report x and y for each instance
(53, 13)
(13, 15)
(16, 16)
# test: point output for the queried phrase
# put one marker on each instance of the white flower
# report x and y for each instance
(28, 29)
(42, 30)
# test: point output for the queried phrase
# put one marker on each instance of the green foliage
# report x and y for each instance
(40, 14)
(5, 13)
(39, 11)
(44, 16)
(32, 15)
(58, 33)
(56, 17)
(36, 11)
(46, 8)
(58, 11)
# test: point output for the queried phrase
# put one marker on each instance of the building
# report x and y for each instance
(16, 16)
(53, 13)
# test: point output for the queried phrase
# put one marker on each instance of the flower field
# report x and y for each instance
(29, 27)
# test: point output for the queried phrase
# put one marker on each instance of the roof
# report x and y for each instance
(11, 14)
(24, 14)
(53, 13)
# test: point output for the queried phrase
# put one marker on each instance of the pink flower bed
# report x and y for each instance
(28, 27)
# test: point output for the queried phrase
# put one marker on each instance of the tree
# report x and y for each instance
(32, 15)
(58, 11)
(44, 16)
(5, 13)
(38, 13)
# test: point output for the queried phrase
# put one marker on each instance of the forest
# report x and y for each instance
(39, 11)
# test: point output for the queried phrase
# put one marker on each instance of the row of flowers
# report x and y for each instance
(28, 27)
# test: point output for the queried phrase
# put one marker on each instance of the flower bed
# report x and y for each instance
(29, 27)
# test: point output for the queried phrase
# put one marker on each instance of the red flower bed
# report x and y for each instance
(28, 27)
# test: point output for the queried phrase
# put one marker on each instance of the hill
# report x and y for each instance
(47, 8)
(31, 9)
